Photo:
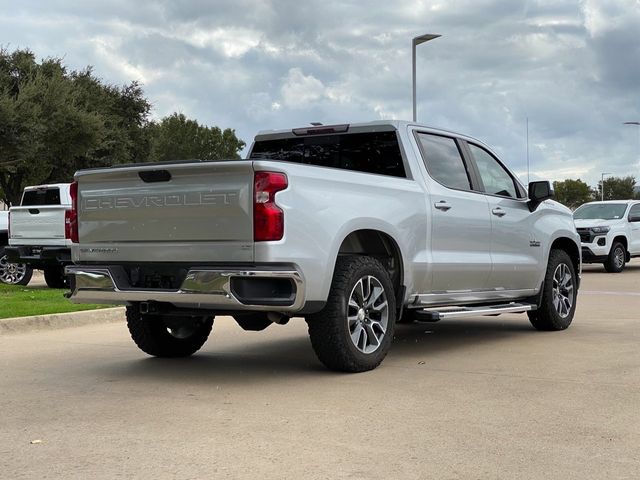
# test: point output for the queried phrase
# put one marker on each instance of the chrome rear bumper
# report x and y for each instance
(203, 287)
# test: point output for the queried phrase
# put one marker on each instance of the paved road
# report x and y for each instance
(485, 398)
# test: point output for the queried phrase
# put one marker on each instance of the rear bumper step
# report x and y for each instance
(204, 287)
(435, 314)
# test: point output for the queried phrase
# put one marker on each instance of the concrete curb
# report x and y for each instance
(56, 321)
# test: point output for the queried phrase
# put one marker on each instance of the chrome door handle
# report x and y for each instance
(442, 205)
(498, 212)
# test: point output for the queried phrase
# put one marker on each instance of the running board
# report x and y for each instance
(435, 314)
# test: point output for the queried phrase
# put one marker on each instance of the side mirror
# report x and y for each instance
(538, 193)
(634, 218)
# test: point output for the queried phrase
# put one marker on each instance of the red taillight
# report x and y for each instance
(268, 218)
(71, 216)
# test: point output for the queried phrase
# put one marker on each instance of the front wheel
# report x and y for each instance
(14, 273)
(168, 336)
(353, 332)
(559, 294)
(617, 258)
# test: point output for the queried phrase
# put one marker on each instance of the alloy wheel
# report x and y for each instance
(11, 273)
(367, 314)
(563, 290)
(618, 257)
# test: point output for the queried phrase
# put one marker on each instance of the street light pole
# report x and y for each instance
(602, 184)
(414, 43)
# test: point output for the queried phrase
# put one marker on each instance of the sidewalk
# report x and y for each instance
(60, 320)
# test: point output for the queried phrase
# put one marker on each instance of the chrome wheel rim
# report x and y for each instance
(618, 257)
(367, 314)
(11, 273)
(563, 290)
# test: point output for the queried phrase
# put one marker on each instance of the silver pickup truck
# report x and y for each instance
(354, 227)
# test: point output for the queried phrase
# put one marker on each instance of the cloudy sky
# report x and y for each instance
(571, 67)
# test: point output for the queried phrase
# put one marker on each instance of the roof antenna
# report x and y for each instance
(316, 124)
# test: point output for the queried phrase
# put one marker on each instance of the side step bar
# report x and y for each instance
(439, 313)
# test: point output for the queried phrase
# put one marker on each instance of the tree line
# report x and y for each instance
(54, 121)
(574, 193)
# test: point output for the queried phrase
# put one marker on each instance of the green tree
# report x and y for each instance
(176, 137)
(617, 188)
(54, 122)
(572, 193)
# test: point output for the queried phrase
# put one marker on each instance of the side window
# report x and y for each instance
(444, 161)
(496, 180)
(634, 211)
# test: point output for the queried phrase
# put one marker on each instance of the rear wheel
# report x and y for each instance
(617, 258)
(558, 296)
(353, 332)
(14, 273)
(168, 336)
(55, 277)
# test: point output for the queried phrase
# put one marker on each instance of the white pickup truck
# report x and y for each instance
(353, 227)
(609, 232)
(40, 231)
(10, 273)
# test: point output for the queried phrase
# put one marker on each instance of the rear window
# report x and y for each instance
(376, 152)
(41, 196)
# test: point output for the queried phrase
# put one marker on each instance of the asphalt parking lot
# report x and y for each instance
(480, 398)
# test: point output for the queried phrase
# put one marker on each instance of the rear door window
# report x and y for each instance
(41, 196)
(444, 161)
(375, 152)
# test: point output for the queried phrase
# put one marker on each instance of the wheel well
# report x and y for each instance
(380, 246)
(622, 240)
(568, 246)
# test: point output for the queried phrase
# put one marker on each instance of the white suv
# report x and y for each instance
(609, 232)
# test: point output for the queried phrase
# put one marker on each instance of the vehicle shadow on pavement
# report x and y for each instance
(428, 339)
(598, 268)
(253, 362)
(262, 360)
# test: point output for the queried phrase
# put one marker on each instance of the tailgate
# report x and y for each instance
(183, 212)
(41, 224)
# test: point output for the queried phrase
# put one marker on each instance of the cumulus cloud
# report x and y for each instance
(570, 66)
(300, 90)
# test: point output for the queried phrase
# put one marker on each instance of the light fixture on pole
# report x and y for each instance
(602, 184)
(414, 43)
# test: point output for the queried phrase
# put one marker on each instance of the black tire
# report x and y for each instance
(14, 273)
(617, 258)
(54, 277)
(331, 330)
(164, 336)
(557, 309)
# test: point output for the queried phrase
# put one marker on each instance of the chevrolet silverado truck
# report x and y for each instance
(11, 273)
(353, 227)
(39, 231)
(609, 232)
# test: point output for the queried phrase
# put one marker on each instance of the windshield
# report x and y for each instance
(604, 211)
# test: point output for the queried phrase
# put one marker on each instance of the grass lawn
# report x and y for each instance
(19, 301)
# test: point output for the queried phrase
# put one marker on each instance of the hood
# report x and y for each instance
(558, 206)
(597, 222)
